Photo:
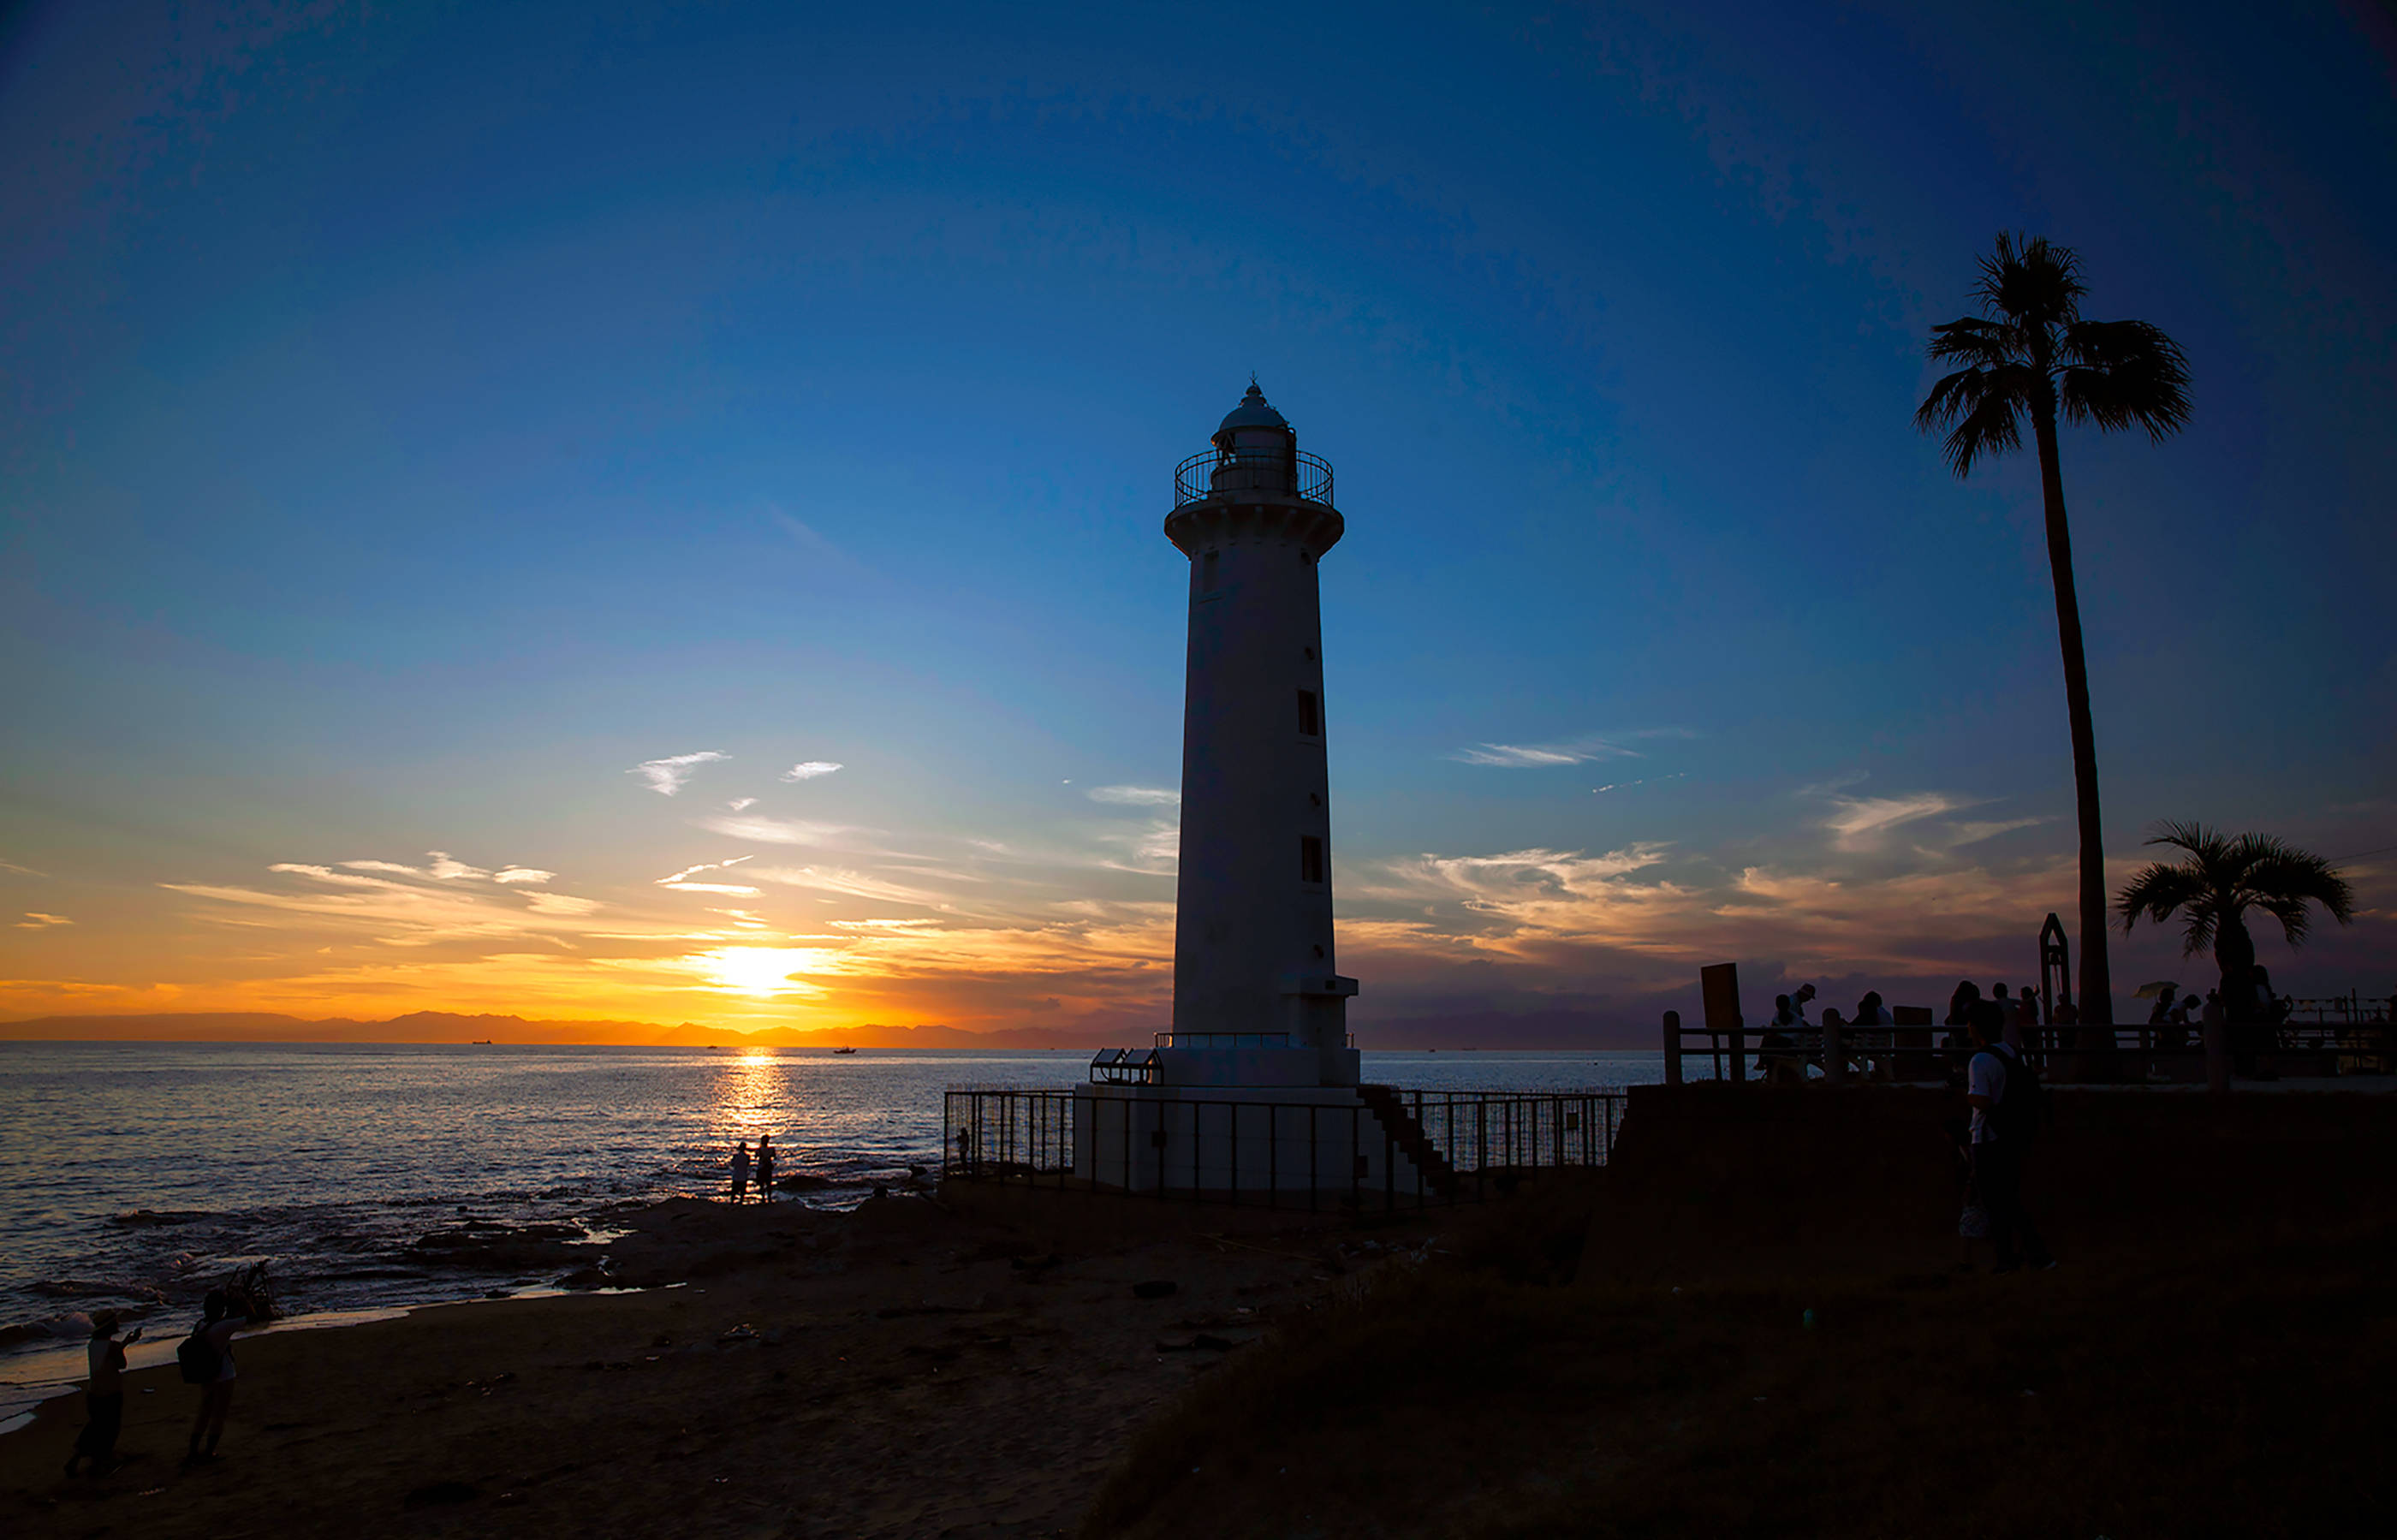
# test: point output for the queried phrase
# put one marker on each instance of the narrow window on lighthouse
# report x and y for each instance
(1206, 574)
(1310, 720)
(1310, 859)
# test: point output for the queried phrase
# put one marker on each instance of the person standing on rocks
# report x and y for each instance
(103, 1396)
(765, 1168)
(740, 1171)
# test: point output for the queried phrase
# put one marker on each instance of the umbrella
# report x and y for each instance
(2156, 990)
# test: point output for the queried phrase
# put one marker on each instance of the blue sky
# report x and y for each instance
(418, 422)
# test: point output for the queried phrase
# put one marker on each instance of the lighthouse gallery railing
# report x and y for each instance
(1222, 472)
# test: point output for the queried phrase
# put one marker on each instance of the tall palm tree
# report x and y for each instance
(2218, 880)
(2029, 354)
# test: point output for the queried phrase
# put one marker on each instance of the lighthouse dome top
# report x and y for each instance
(1252, 412)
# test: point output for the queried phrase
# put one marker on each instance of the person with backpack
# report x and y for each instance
(206, 1357)
(2004, 1094)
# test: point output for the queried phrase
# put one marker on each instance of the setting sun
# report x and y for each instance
(762, 970)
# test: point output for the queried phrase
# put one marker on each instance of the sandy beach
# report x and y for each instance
(902, 1370)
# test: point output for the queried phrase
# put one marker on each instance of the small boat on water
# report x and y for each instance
(479, 1042)
(844, 1051)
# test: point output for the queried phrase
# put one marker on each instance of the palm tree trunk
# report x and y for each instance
(2097, 980)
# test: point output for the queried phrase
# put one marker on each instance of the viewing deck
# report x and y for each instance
(1218, 473)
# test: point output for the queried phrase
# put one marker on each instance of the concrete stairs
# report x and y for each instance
(1409, 1137)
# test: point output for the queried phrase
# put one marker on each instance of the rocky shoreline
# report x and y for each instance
(905, 1368)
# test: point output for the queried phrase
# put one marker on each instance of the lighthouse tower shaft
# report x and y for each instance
(1254, 963)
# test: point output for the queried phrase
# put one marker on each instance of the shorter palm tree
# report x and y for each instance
(2219, 878)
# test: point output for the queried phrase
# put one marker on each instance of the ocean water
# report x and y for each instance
(134, 1175)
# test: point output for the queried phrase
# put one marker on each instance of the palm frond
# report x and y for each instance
(2157, 890)
(1974, 340)
(2123, 374)
(2285, 881)
(2196, 838)
(1985, 406)
(2030, 283)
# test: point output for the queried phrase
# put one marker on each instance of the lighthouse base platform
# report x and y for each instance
(1268, 1139)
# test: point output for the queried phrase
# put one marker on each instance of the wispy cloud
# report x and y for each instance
(667, 776)
(35, 920)
(807, 770)
(1861, 818)
(1645, 780)
(442, 867)
(1578, 751)
(344, 880)
(561, 904)
(681, 881)
(22, 871)
(761, 830)
(1135, 797)
(688, 872)
(741, 804)
(1152, 849)
(835, 879)
(1836, 784)
(411, 910)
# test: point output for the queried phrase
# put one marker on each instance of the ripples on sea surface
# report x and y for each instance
(134, 1174)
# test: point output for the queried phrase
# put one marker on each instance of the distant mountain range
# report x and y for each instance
(445, 1026)
(1553, 1029)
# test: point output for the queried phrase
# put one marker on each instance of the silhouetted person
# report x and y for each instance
(214, 1335)
(765, 1168)
(1959, 1012)
(103, 1396)
(2022, 1032)
(740, 1171)
(2168, 1025)
(2271, 1014)
(1772, 1049)
(2005, 1097)
(1870, 1043)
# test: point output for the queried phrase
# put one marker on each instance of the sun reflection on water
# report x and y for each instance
(752, 1096)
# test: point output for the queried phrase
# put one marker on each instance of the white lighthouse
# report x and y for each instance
(1253, 944)
(1256, 1087)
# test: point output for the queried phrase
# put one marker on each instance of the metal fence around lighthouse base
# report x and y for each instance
(1390, 1149)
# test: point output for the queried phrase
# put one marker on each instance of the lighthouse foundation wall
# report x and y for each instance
(1245, 1139)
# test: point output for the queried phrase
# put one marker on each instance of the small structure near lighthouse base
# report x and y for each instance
(1265, 1139)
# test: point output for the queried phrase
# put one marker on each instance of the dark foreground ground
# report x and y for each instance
(1629, 1357)
(1624, 1354)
